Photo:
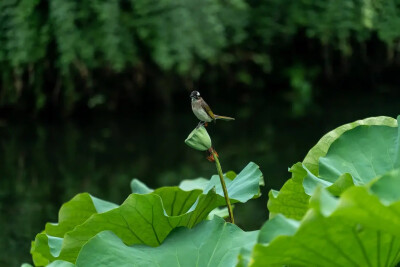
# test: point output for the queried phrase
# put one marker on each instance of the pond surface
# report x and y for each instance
(43, 165)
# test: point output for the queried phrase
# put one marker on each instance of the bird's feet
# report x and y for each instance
(199, 124)
(202, 123)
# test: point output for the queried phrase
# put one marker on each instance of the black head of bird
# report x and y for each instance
(195, 95)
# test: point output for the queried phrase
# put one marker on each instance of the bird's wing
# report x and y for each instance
(205, 106)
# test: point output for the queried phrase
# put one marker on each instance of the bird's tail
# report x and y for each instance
(224, 118)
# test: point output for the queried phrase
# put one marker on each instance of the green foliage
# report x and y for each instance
(60, 49)
(211, 243)
(340, 208)
(92, 35)
(359, 163)
(357, 229)
(146, 216)
(301, 94)
(47, 245)
(181, 33)
(354, 153)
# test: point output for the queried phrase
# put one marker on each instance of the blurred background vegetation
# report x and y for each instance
(96, 92)
(68, 56)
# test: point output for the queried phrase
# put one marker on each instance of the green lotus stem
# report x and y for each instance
(221, 178)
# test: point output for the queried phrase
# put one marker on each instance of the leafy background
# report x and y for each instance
(74, 55)
(95, 93)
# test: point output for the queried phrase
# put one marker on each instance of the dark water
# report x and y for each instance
(43, 165)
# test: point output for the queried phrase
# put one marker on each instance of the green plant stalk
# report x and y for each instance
(221, 178)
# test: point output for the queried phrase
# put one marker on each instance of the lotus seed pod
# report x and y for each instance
(199, 139)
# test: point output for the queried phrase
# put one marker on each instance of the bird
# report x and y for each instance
(203, 112)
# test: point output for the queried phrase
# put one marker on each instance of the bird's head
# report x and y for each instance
(194, 95)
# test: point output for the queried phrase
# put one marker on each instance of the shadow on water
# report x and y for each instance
(43, 165)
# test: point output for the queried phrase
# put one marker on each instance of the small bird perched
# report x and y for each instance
(203, 112)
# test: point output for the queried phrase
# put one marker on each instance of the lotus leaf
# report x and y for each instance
(210, 243)
(146, 217)
(361, 228)
(354, 153)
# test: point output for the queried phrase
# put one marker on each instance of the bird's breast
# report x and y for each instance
(199, 112)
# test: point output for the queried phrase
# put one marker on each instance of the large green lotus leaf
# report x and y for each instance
(358, 229)
(333, 158)
(311, 160)
(364, 153)
(76, 211)
(291, 200)
(148, 218)
(241, 187)
(211, 243)
(47, 245)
